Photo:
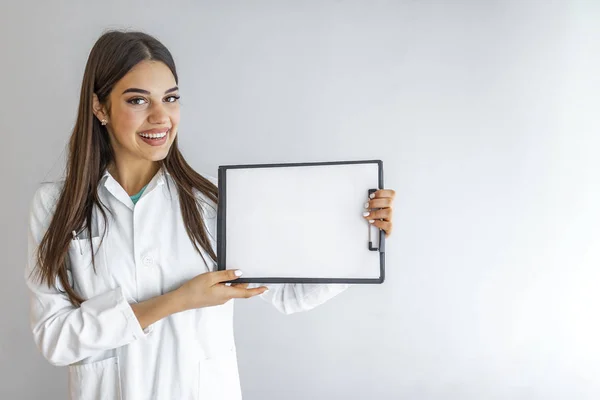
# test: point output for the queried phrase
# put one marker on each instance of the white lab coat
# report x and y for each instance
(146, 252)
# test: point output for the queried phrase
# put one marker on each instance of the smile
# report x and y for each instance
(154, 136)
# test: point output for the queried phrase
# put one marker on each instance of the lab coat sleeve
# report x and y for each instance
(292, 298)
(64, 333)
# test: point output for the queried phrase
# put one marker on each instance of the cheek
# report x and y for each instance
(127, 122)
(175, 117)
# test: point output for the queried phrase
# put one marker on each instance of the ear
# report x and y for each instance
(98, 109)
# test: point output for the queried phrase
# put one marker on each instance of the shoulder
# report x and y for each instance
(212, 179)
(208, 206)
(43, 206)
(46, 196)
(209, 178)
(200, 197)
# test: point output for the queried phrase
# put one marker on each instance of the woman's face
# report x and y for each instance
(144, 113)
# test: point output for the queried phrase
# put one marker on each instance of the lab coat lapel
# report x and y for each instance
(120, 194)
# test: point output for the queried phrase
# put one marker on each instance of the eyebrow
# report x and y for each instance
(142, 91)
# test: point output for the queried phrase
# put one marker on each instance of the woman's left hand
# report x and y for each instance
(383, 200)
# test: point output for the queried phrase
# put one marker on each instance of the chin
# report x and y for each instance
(159, 156)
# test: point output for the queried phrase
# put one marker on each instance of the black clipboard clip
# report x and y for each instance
(381, 247)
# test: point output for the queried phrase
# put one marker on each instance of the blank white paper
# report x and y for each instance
(300, 221)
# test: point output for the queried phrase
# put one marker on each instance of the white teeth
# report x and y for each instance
(153, 135)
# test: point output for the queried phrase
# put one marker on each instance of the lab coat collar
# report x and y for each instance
(162, 170)
(117, 190)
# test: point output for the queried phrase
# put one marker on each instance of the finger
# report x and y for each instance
(379, 203)
(224, 276)
(383, 193)
(240, 285)
(384, 225)
(385, 213)
(239, 293)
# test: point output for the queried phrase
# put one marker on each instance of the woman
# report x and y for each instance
(121, 269)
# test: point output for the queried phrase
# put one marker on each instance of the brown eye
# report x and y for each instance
(138, 101)
(172, 99)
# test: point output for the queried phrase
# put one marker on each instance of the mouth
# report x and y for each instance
(154, 137)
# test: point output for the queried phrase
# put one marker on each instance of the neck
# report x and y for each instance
(133, 176)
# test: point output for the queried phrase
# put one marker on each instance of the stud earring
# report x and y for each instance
(103, 122)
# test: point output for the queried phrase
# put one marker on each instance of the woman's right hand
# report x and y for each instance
(209, 289)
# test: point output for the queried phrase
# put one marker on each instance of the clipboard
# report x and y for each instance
(300, 222)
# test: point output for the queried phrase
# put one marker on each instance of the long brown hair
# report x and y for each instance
(113, 55)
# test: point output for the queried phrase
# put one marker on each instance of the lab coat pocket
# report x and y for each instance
(219, 379)
(80, 253)
(98, 380)
(86, 281)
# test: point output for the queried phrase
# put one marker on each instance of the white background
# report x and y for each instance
(486, 114)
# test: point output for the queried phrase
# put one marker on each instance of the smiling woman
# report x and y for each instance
(132, 302)
(144, 113)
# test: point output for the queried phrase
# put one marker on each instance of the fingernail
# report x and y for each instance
(371, 221)
(372, 195)
(366, 214)
(238, 272)
(367, 204)
(266, 290)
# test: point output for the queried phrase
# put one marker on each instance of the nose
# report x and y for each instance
(158, 114)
